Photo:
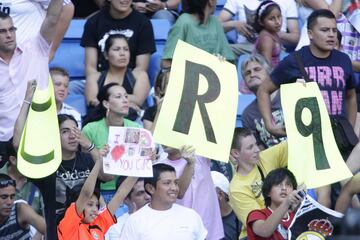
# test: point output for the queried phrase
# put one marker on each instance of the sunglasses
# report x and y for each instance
(5, 183)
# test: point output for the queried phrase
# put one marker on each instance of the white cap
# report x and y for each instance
(220, 181)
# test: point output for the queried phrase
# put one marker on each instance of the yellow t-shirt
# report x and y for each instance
(245, 191)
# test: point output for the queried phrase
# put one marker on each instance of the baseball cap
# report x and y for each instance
(220, 181)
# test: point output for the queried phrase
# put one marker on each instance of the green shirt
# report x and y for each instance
(98, 133)
(209, 37)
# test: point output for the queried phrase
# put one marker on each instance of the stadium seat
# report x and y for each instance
(69, 54)
(161, 29)
(243, 101)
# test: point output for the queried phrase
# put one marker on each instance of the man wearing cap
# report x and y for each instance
(232, 226)
(16, 218)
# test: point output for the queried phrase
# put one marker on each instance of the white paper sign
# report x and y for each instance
(130, 152)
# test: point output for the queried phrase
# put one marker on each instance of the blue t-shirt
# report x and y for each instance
(333, 74)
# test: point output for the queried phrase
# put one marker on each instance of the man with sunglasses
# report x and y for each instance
(16, 218)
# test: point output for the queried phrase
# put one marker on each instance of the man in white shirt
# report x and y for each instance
(245, 11)
(162, 218)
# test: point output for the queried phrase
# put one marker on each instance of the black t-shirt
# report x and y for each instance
(71, 176)
(333, 74)
(232, 227)
(136, 27)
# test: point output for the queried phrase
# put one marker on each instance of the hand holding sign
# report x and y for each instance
(129, 152)
(313, 154)
(203, 112)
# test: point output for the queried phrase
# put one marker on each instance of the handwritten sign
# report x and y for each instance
(313, 154)
(130, 152)
(200, 103)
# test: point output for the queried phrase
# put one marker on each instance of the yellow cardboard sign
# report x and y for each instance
(200, 104)
(39, 153)
(313, 154)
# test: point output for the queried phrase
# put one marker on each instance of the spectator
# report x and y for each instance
(162, 218)
(281, 199)
(199, 28)
(22, 63)
(254, 71)
(252, 167)
(136, 83)
(111, 112)
(25, 189)
(196, 188)
(231, 223)
(16, 218)
(306, 7)
(76, 165)
(244, 24)
(84, 219)
(351, 188)
(136, 199)
(328, 67)
(158, 9)
(60, 79)
(28, 16)
(115, 17)
(268, 22)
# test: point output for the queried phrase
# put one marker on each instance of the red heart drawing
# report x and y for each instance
(117, 152)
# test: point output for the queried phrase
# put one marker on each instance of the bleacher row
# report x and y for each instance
(71, 56)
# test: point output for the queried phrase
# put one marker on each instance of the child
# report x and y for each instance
(281, 199)
(268, 21)
(83, 219)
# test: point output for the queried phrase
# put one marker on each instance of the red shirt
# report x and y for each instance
(71, 226)
(263, 214)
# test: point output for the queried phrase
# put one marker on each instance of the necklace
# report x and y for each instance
(73, 167)
(284, 219)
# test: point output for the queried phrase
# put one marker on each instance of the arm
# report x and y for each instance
(27, 216)
(351, 106)
(228, 24)
(20, 121)
(48, 27)
(142, 62)
(292, 36)
(335, 6)
(141, 88)
(157, 5)
(121, 193)
(356, 66)
(188, 153)
(88, 188)
(65, 18)
(265, 46)
(351, 187)
(92, 75)
(265, 228)
(353, 162)
(264, 102)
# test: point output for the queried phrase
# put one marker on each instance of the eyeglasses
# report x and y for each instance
(10, 30)
(5, 183)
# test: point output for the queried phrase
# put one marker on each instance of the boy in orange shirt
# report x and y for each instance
(83, 220)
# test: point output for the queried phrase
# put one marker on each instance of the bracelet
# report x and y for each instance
(92, 146)
(27, 102)
(166, 6)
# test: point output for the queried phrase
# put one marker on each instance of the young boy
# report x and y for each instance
(281, 199)
(83, 219)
